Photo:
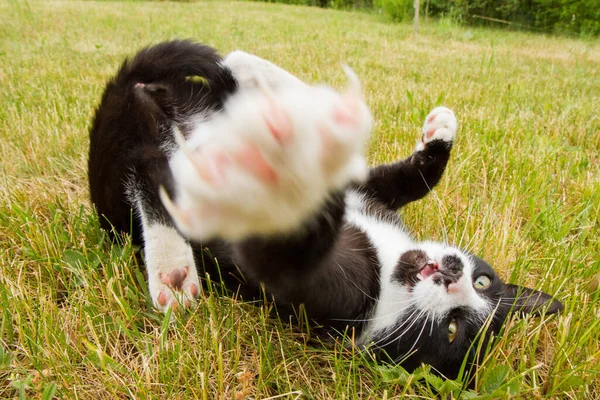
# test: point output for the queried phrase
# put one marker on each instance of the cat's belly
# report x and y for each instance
(389, 240)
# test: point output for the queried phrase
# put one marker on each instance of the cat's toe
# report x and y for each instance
(440, 124)
(278, 121)
(343, 135)
(250, 159)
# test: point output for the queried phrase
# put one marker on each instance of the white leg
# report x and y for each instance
(172, 276)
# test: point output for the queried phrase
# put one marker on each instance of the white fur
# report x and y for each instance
(435, 299)
(308, 165)
(389, 241)
(165, 250)
(444, 126)
(248, 69)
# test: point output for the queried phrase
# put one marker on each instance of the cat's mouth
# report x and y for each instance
(415, 266)
(439, 275)
(429, 269)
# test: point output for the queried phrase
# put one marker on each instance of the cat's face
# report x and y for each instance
(449, 296)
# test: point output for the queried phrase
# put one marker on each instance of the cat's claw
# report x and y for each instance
(268, 161)
(440, 124)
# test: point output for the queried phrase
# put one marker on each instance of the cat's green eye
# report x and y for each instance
(482, 282)
(452, 331)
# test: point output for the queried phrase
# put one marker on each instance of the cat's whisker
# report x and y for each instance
(397, 328)
(377, 300)
(438, 203)
(431, 330)
(419, 336)
(406, 354)
(407, 329)
(400, 311)
(413, 323)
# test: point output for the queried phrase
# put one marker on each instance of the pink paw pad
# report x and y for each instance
(252, 159)
(346, 112)
(216, 164)
(175, 281)
(440, 124)
(342, 115)
(279, 123)
(430, 133)
(175, 278)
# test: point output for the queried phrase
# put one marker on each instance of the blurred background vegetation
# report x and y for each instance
(579, 17)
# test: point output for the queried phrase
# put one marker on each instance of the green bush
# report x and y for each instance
(348, 4)
(398, 10)
(575, 16)
(319, 3)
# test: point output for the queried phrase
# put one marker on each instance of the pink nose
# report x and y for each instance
(453, 288)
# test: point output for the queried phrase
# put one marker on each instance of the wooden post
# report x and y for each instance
(416, 17)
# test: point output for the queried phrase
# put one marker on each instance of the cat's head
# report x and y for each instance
(450, 301)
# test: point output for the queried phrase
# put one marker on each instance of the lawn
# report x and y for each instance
(522, 190)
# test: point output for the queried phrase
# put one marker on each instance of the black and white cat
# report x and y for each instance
(237, 169)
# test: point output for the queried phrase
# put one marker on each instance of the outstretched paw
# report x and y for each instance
(268, 161)
(440, 124)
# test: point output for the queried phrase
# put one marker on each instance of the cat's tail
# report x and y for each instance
(171, 83)
(178, 60)
(174, 76)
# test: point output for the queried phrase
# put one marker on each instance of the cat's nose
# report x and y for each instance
(451, 270)
(452, 265)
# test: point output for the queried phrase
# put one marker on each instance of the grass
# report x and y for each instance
(522, 190)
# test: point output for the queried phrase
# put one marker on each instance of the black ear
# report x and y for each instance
(529, 301)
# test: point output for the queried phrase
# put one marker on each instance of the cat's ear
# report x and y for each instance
(530, 301)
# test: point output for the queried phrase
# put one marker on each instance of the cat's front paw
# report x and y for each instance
(440, 124)
(268, 161)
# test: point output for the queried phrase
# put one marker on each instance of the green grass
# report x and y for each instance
(522, 190)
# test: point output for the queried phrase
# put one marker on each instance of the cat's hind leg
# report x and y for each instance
(172, 275)
(404, 181)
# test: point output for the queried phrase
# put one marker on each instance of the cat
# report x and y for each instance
(236, 169)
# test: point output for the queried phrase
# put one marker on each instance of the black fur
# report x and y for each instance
(312, 266)
(158, 86)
